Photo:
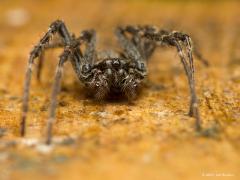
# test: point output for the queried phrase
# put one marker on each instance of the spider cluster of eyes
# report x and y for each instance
(116, 76)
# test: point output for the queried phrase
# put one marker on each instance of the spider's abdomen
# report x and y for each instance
(116, 76)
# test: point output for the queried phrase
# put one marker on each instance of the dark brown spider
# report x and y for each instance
(121, 73)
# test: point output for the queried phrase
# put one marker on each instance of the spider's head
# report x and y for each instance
(113, 77)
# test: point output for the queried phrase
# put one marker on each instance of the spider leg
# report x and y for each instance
(40, 66)
(81, 62)
(55, 90)
(130, 49)
(200, 57)
(90, 39)
(147, 46)
(184, 47)
(58, 43)
(87, 37)
(56, 27)
(84, 63)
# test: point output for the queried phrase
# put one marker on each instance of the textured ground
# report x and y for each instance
(153, 138)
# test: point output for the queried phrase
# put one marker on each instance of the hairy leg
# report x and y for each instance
(56, 27)
(89, 37)
(55, 91)
(130, 49)
(147, 46)
(84, 63)
(184, 47)
(200, 57)
(57, 43)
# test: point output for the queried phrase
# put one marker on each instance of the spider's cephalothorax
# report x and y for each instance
(113, 74)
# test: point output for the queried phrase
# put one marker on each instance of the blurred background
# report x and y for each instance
(150, 139)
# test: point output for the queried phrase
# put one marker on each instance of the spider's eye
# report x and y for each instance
(116, 63)
(86, 68)
(140, 66)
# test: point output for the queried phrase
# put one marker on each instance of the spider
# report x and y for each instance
(119, 73)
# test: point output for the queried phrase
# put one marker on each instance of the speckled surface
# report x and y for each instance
(151, 138)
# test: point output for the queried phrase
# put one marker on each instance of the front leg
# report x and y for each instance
(183, 44)
(87, 37)
(56, 27)
(55, 90)
(147, 46)
(58, 43)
